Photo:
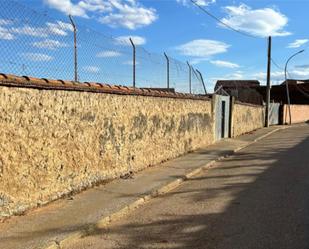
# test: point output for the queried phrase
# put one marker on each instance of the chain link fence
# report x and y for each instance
(37, 45)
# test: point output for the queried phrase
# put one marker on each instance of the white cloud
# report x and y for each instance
(227, 64)
(49, 44)
(37, 57)
(202, 49)
(67, 7)
(305, 66)
(9, 29)
(5, 34)
(108, 54)
(259, 22)
(96, 5)
(125, 40)
(278, 76)
(115, 13)
(297, 43)
(57, 28)
(238, 75)
(129, 14)
(261, 76)
(4, 22)
(199, 2)
(91, 69)
(300, 73)
(29, 30)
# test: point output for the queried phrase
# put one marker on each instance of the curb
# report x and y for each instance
(102, 223)
(259, 138)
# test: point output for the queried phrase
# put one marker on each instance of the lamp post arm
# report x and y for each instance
(287, 86)
(286, 64)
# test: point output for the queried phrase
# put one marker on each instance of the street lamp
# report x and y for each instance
(286, 83)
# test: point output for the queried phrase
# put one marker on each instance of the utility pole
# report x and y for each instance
(268, 83)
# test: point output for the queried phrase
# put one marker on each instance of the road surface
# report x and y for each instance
(256, 199)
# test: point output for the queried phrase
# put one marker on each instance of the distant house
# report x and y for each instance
(296, 82)
(298, 90)
(243, 90)
(250, 91)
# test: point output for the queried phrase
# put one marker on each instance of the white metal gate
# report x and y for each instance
(274, 113)
(222, 116)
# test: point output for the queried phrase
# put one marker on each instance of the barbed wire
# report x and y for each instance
(34, 44)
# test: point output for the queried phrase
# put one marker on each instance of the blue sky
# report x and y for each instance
(184, 32)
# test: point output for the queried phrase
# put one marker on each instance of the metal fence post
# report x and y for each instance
(134, 61)
(190, 78)
(167, 70)
(75, 49)
(202, 79)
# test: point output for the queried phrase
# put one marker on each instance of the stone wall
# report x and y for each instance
(299, 114)
(54, 142)
(246, 118)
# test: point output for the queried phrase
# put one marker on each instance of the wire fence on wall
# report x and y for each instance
(37, 45)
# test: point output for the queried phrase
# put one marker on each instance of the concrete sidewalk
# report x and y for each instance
(49, 226)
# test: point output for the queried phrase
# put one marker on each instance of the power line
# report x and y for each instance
(279, 67)
(223, 23)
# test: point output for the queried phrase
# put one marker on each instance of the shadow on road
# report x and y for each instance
(257, 198)
(265, 206)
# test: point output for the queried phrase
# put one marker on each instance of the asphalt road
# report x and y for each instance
(256, 199)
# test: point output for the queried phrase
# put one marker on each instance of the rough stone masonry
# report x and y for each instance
(54, 142)
(246, 118)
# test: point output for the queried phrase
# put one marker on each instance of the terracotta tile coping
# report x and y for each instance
(50, 84)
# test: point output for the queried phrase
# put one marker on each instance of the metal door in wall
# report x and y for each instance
(222, 116)
(274, 113)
